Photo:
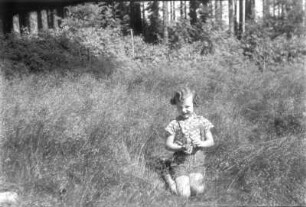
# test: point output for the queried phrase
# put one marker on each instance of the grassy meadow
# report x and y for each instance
(88, 129)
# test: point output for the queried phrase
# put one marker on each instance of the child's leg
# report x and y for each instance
(183, 186)
(171, 183)
(167, 173)
(196, 183)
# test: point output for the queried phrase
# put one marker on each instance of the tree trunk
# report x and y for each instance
(143, 16)
(1, 33)
(50, 18)
(282, 11)
(185, 9)
(266, 8)
(132, 14)
(166, 21)
(302, 11)
(220, 13)
(231, 16)
(304, 19)
(279, 7)
(55, 19)
(250, 10)
(205, 10)
(181, 9)
(16, 24)
(135, 17)
(241, 17)
(174, 10)
(274, 8)
(33, 22)
(216, 11)
(155, 27)
(253, 9)
(171, 11)
(193, 5)
(44, 19)
(236, 16)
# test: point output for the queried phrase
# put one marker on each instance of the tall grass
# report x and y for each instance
(75, 139)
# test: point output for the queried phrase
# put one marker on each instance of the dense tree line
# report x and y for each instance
(281, 16)
(156, 20)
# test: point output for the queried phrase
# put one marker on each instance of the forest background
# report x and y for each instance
(84, 106)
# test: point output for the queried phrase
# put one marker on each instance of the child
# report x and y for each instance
(187, 136)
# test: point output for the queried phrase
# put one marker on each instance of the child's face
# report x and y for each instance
(185, 108)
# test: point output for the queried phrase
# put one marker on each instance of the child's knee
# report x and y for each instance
(197, 189)
(185, 192)
(197, 183)
(183, 186)
(196, 178)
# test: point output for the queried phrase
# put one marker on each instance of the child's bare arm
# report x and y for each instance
(207, 143)
(171, 145)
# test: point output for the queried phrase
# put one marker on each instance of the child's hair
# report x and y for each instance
(181, 94)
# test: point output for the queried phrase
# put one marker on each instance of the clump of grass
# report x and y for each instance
(269, 173)
(66, 137)
(84, 140)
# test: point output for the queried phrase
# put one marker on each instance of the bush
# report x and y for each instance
(53, 52)
(265, 50)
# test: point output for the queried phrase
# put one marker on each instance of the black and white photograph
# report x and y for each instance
(135, 103)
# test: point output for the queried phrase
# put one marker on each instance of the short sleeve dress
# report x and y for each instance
(186, 130)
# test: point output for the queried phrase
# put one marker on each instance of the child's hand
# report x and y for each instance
(187, 148)
(197, 143)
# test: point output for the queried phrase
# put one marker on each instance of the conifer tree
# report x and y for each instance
(204, 11)
(155, 28)
(166, 21)
(193, 6)
(231, 16)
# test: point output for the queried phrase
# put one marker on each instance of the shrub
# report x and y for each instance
(258, 44)
(53, 52)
